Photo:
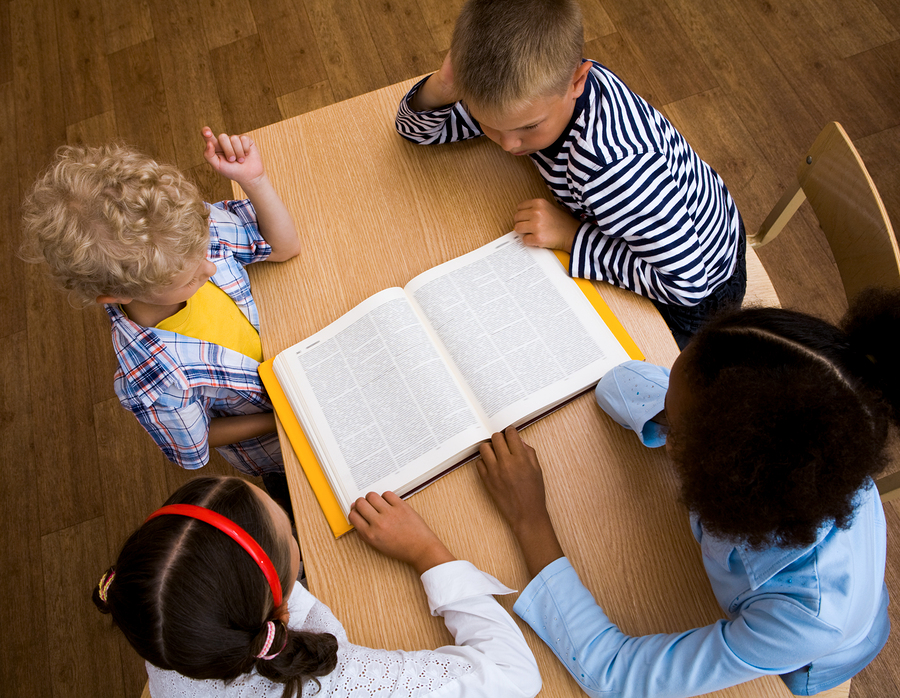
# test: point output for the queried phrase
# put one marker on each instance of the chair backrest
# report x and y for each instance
(833, 178)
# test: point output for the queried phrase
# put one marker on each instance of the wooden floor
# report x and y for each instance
(750, 82)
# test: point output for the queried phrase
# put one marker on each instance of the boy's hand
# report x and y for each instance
(392, 527)
(543, 224)
(235, 157)
(511, 474)
(438, 90)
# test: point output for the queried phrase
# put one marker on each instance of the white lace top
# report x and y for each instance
(490, 658)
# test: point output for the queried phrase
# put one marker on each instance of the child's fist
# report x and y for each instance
(543, 224)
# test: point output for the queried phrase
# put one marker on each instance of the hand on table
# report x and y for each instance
(393, 528)
(542, 223)
(511, 474)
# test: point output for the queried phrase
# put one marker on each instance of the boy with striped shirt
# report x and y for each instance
(640, 209)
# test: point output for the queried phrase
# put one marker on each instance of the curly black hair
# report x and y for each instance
(788, 419)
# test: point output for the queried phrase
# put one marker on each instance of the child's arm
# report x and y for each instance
(231, 430)
(238, 159)
(437, 91)
(511, 474)
(431, 113)
(392, 527)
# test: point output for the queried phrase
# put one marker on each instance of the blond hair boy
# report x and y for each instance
(637, 206)
(118, 228)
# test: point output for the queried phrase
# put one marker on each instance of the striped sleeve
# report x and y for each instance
(444, 125)
(639, 234)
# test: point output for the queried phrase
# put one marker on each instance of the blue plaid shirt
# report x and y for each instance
(175, 384)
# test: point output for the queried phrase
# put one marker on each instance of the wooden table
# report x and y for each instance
(373, 211)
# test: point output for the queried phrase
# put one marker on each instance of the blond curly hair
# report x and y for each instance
(110, 221)
(507, 53)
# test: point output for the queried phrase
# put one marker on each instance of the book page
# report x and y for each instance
(390, 405)
(519, 330)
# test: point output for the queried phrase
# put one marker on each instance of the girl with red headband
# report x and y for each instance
(205, 592)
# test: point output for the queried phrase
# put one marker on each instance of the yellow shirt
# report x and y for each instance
(211, 316)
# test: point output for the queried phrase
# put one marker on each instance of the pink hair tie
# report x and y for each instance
(270, 635)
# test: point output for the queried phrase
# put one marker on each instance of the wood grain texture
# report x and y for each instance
(6, 53)
(71, 570)
(306, 99)
(346, 45)
(668, 57)
(142, 112)
(823, 81)
(80, 32)
(433, 204)
(403, 40)
(244, 86)
(291, 51)
(191, 95)
(12, 297)
(226, 21)
(779, 74)
(22, 582)
(440, 15)
(126, 23)
(852, 26)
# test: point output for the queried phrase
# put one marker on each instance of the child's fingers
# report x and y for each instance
(376, 501)
(237, 146)
(364, 509)
(225, 147)
(501, 448)
(517, 447)
(357, 520)
(393, 499)
(487, 454)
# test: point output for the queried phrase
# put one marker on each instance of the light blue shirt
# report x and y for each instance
(816, 616)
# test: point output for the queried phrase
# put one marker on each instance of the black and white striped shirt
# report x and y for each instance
(657, 220)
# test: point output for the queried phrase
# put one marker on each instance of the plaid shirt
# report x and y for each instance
(175, 384)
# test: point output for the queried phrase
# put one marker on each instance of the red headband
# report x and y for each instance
(244, 539)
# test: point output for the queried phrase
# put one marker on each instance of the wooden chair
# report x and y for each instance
(834, 179)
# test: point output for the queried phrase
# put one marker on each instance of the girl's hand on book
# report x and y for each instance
(511, 474)
(393, 528)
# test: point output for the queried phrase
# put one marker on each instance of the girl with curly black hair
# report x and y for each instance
(205, 591)
(776, 423)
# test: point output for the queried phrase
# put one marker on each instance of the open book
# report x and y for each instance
(405, 386)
